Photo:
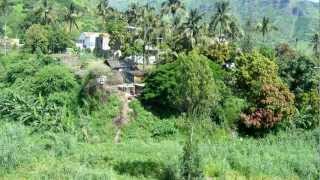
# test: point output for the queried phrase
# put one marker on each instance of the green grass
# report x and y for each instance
(25, 154)
(150, 147)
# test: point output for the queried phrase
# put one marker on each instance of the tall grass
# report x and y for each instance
(48, 155)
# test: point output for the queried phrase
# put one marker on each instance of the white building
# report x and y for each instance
(93, 40)
(138, 59)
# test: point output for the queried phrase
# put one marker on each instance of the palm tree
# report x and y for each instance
(172, 7)
(234, 32)
(72, 16)
(104, 8)
(265, 27)
(191, 28)
(133, 13)
(315, 43)
(5, 6)
(221, 18)
(45, 13)
(247, 40)
(147, 20)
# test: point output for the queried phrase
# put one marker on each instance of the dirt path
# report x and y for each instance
(123, 118)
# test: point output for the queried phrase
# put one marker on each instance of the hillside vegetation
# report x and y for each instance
(233, 93)
(296, 19)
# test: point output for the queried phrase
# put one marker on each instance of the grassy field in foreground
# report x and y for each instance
(25, 154)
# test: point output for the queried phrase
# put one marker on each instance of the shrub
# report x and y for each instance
(190, 162)
(37, 38)
(253, 70)
(284, 52)
(228, 111)
(47, 39)
(20, 70)
(267, 52)
(219, 52)
(309, 110)
(164, 128)
(23, 66)
(186, 85)
(270, 100)
(51, 79)
(59, 40)
(34, 111)
(299, 74)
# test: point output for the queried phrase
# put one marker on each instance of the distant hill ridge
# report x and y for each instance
(294, 18)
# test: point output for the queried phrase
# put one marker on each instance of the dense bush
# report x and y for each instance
(309, 110)
(228, 111)
(39, 92)
(164, 128)
(20, 70)
(219, 52)
(229, 107)
(59, 40)
(270, 99)
(299, 74)
(303, 80)
(35, 111)
(186, 85)
(37, 39)
(47, 39)
(52, 79)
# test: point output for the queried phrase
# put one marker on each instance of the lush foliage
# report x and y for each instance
(38, 92)
(187, 85)
(37, 39)
(47, 39)
(191, 164)
(270, 99)
(223, 100)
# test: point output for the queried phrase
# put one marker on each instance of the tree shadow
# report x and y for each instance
(146, 169)
(163, 112)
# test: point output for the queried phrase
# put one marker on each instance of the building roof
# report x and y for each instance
(94, 34)
(137, 73)
(118, 64)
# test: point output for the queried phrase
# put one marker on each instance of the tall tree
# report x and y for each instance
(247, 41)
(265, 27)
(234, 32)
(45, 13)
(72, 16)
(5, 6)
(133, 13)
(315, 43)
(172, 7)
(147, 21)
(222, 18)
(104, 8)
(191, 29)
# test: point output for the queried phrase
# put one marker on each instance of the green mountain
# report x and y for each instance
(294, 18)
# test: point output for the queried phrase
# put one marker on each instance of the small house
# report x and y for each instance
(128, 69)
(10, 42)
(94, 40)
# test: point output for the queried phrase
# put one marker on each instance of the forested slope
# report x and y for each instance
(295, 19)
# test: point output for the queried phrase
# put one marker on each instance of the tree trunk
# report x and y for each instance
(5, 38)
(144, 47)
(220, 33)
